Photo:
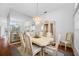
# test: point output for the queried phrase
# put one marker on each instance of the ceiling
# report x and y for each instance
(30, 8)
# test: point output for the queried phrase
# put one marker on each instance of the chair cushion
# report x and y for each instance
(51, 47)
(21, 50)
(50, 52)
(35, 49)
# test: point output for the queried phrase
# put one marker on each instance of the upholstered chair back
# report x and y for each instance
(22, 40)
(69, 36)
(28, 43)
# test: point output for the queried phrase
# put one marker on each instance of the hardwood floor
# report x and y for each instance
(68, 52)
(12, 51)
(4, 51)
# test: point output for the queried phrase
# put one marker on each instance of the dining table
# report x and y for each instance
(42, 42)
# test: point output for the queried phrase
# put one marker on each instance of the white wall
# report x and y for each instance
(76, 32)
(64, 20)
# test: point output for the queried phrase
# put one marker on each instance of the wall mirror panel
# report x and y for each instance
(49, 28)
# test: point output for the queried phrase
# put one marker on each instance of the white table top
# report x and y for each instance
(43, 41)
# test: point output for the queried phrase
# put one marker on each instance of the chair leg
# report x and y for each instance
(65, 47)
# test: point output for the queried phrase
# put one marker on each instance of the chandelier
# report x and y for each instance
(37, 18)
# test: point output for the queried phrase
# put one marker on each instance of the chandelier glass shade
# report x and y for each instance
(36, 19)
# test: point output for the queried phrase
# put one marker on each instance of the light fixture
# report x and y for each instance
(37, 18)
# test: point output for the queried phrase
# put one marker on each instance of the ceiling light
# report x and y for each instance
(37, 18)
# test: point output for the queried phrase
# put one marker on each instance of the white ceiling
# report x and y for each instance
(30, 8)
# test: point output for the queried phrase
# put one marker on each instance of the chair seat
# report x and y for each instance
(35, 49)
(50, 52)
(51, 47)
(21, 50)
(68, 43)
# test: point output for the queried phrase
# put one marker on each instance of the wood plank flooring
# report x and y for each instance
(11, 50)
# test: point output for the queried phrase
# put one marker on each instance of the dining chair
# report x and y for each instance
(29, 48)
(50, 49)
(22, 47)
(69, 40)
